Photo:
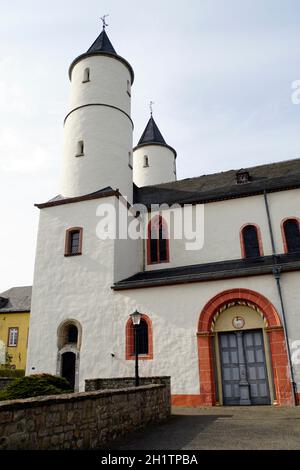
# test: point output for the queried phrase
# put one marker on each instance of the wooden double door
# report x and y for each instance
(243, 368)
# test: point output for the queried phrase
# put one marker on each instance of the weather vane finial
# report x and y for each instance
(104, 24)
(151, 107)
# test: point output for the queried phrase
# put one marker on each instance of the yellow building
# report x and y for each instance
(14, 326)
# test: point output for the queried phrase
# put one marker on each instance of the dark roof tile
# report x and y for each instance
(18, 299)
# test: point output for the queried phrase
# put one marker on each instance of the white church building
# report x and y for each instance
(220, 309)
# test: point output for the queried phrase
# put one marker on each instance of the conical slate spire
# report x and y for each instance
(152, 134)
(102, 44)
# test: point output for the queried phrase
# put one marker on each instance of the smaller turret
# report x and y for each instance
(154, 161)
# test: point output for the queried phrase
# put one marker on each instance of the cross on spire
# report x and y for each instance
(104, 24)
(151, 107)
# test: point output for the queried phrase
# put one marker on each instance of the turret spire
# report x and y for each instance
(152, 133)
(102, 44)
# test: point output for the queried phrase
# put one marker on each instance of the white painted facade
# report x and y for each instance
(99, 116)
(153, 164)
(80, 287)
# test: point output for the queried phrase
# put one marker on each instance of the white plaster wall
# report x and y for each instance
(128, 252)
(222, 223)
(105, 131)
(108, 83)
(290, 283)
(161, 165)
(80, 288)
(76, 287)
(107, 136)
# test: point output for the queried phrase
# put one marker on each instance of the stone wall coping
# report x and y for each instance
(11, 405)
(131, 378)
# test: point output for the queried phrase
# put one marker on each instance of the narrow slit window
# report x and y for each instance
(128, 88)
(130, 162)
(146, 161)
(80, 149)
(86, 75)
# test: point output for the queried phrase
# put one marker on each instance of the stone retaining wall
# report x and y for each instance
(5, 381)
(123, 382)
(87, 420)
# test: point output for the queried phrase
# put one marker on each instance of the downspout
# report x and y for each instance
(276, 274)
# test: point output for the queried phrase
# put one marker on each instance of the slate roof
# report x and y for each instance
(211, 271)
(102, 44)
(220, 186)
(152, 134)
(59, 199)
(18, 299)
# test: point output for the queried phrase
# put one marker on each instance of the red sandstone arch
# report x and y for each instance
(279, 358)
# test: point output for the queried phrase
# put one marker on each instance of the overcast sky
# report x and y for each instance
(219, 71)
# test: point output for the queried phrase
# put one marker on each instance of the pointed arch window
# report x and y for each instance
(251, 243)
(291, 235)
(158, 241)
(144, 339)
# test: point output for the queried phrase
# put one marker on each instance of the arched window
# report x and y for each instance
(144, 339)
(158, 241)
(73, 241)
(251, 241)
(86, 75)
(69, 333)
(291, 235)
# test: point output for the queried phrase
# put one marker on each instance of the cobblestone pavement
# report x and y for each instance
(221, 428)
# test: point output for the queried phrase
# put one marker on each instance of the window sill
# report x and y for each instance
(153, 263)
(79, 155)
(85, 81)
(142, 357)
(72, 254)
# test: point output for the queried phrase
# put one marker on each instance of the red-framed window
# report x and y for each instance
(145, 339)
(158, 244)
(73, 241)
(290, 228)
(251, 241)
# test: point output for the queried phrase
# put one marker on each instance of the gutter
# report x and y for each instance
(277, 273)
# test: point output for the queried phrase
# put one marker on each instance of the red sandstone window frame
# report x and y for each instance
(259, 237)
(68, 240)
(129, 332)
(285, 245)
(155, 221)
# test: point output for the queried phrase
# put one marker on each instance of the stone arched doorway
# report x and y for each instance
(273, 337)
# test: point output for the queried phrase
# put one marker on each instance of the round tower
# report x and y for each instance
(154, 161)
(98, 127)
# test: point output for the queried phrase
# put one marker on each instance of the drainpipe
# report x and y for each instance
(276, 274)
